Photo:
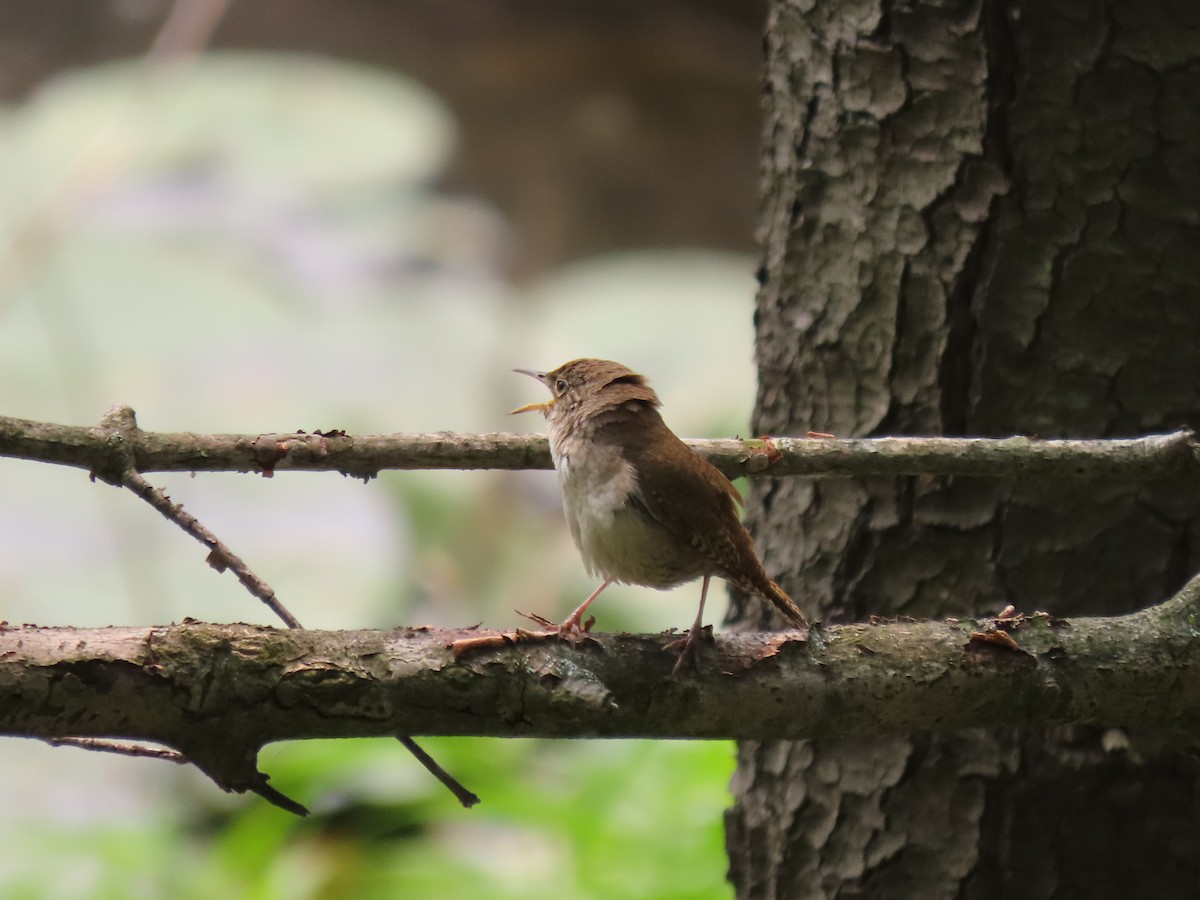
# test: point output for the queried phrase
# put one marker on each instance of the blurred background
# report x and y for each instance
(362, 215)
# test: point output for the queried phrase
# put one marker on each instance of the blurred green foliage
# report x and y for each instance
(262, 247)
(561, 820)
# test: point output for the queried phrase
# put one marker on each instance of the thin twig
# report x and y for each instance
(465, 797)
(220, 557)
(493, 640)
(120, 430)
(121, 748)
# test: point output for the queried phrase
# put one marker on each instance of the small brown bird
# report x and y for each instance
(642, 506)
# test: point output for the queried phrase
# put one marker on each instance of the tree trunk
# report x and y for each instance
(980, 218)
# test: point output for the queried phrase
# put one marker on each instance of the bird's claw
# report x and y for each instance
(540, 620)
(688, 648)
(568, 630)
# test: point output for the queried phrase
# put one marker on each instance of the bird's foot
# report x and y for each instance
(569, 629)
(688, 648)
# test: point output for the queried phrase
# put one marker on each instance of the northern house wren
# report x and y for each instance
(642, 506)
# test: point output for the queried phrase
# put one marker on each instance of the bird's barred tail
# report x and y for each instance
(781, 601)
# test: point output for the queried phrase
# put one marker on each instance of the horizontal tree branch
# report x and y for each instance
(218, 693)
(103, 451)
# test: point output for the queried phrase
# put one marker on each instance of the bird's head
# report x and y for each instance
(583, 387)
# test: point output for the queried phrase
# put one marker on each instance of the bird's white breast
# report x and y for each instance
(615, 541)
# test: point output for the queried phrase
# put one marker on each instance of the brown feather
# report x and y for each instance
(691, 499)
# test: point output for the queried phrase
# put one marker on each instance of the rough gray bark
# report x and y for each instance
(270, 684)
(216, 694)
(980, 219)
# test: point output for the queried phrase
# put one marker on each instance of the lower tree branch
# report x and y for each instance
(218, 693)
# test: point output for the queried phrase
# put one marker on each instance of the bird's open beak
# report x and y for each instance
(532, 407)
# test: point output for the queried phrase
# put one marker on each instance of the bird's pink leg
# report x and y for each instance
(570, 625)
(691, 640)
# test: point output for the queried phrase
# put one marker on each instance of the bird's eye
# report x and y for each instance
(560, 386)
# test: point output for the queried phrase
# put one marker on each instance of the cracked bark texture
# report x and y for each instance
(979, 218)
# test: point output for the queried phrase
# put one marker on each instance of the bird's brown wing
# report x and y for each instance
(688, 497)
(677, 483)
